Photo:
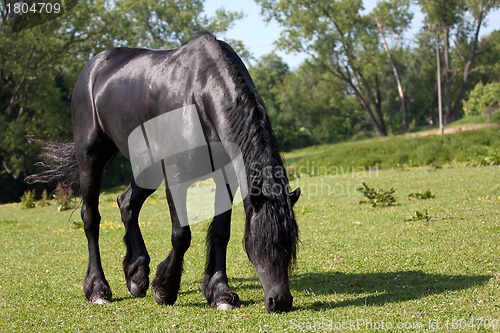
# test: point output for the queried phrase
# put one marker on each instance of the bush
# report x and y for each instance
(28, 199)
(377, 197)
(483, 99)
(492, 158)
(63, 197)
(43, 201)
(421, 195)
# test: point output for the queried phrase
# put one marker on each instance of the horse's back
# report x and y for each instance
(122, 88)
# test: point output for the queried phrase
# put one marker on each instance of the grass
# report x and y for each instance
(479, 119)
(397, 151)
(359, 267)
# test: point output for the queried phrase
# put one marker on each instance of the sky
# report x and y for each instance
(259, 36)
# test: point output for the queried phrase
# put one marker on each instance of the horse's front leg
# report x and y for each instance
(167, 281)
(215, 283)
(136, 261)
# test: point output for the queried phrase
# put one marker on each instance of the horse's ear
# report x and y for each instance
(295, 195)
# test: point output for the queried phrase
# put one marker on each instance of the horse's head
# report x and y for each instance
(271, 242)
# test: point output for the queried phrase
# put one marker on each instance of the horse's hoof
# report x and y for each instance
(102, 297)
(157, 298)
(163, 299)
(135, 290)
(100, 301)
(225, 306)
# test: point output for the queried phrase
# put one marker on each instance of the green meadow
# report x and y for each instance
(422, 265)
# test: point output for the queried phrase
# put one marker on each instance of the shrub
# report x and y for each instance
(377, 197)
(492, 158)
(421, 195)
(63, 197)
(43, 201)
(483, 99)
(421, 216)
(28, 199)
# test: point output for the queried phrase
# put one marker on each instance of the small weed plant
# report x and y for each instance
(493, 158)
(421, 195)
(43, 201)
(28, 199)
(420, 216)
(63, 197)
(378, 197)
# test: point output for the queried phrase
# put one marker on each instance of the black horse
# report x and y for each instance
(121, 89)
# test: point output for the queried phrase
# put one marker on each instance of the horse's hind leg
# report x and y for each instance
(136, 261)
(167, 281)
(215, 284)
(92, 158)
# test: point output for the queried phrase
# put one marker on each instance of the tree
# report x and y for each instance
(394, 17)
(419, 80)
(268, 75)
(488, 63)
(167, 24)
(337, 35)
(39, 66)
(315, 109)
(447, 17)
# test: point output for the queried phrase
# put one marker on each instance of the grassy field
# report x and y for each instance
(420, 265)
(398, 151)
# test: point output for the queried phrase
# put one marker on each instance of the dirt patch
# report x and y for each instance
(453, 130)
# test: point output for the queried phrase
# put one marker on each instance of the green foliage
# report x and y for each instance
(313, 109)
(493, 118)
(398, 151)
(39, 66)
(460, 21)
(483, 99)
(420, 216)
(166, 24)
(78, 224)
(268, 75)
(378, 197)
(345, 44)
(488, 63)
(427, 194)
(28, 199)
(489, 159)
(63, 197)
(442, 12)
(43, 200)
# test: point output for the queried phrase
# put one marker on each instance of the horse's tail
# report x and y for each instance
(58, 161)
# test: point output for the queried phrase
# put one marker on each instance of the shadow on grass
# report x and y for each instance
(379, 288)
(356, 289)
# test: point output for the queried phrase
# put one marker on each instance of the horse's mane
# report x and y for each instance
(250, 129)
(248, 123)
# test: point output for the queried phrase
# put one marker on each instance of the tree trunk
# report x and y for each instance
(402, 98)
(447, 76)
(468, 66)
(440, 103)
(376, 117)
